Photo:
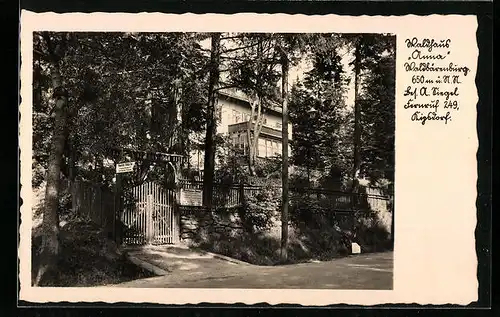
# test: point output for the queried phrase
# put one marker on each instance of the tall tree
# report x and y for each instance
(285, 66)
(55, 49)
(318, 112)
(378, 104)
(357, 113)
(209, 163)
(306, 143)
(367, 50)
(290, 48)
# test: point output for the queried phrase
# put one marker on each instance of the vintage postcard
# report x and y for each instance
(248, 158)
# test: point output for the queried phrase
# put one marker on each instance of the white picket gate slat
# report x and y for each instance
(150, 220)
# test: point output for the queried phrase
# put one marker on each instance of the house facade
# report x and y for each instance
(234, 112)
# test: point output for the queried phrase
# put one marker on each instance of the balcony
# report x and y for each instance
(266, 130)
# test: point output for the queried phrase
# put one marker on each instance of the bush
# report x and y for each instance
(269, 167)
(329, 234)
(299, 180)
(259, 210)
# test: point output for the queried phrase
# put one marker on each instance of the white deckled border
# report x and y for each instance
(435, 187)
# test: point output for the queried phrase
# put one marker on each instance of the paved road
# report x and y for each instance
(365, 271)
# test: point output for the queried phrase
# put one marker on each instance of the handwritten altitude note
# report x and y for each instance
(436, 79)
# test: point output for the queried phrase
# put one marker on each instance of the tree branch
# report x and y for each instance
(239, 48)
(41, 55)
(50, 47)
(231, 37)
(103, 53)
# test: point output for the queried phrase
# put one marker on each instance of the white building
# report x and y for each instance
(234, 113)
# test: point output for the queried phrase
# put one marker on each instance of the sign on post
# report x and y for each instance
(191, 197)
(125, 167)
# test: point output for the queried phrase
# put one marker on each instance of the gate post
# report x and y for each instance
(117, 224)
(149, 219)
(177, 225)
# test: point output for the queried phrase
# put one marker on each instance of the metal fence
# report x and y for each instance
(231, 195)
(97, 203)
(223, 195)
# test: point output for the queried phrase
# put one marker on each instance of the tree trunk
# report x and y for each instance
(253, 132)
(72, 160)
(259, 122)
(357, 118)
(50, 225)
(284, 210)
(250, 127)
(179, 131)
(209, 163)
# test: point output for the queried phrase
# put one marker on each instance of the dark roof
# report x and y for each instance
(242, 98)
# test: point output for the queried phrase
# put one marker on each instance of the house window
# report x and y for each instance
(276, 148)
(263, 119)
(243, 140)
(269, 148)
(235, 139)
(219, 113)
(278, 125)
(236, 116)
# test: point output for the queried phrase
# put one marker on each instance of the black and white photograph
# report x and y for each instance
(213, 160)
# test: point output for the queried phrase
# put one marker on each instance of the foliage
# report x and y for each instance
(317, 112)
(88, 258)
(374, 62)
(260, 209)
(316, 232)
(323, 123)
(124, 90)
(378, 117)
(269, 168)
(314, 216)
(251, 65)
(230, 168)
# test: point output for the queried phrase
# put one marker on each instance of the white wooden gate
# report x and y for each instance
(152, 218)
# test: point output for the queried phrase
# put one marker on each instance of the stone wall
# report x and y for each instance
(197, 223)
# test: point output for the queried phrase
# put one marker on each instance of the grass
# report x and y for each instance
(88, 258)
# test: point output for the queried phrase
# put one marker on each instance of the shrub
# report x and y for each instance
(87, 258)
(268, 168)
(260, 209)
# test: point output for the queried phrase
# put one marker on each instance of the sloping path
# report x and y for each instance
(191, 269)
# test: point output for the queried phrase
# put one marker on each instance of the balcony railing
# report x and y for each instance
(266, 130)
